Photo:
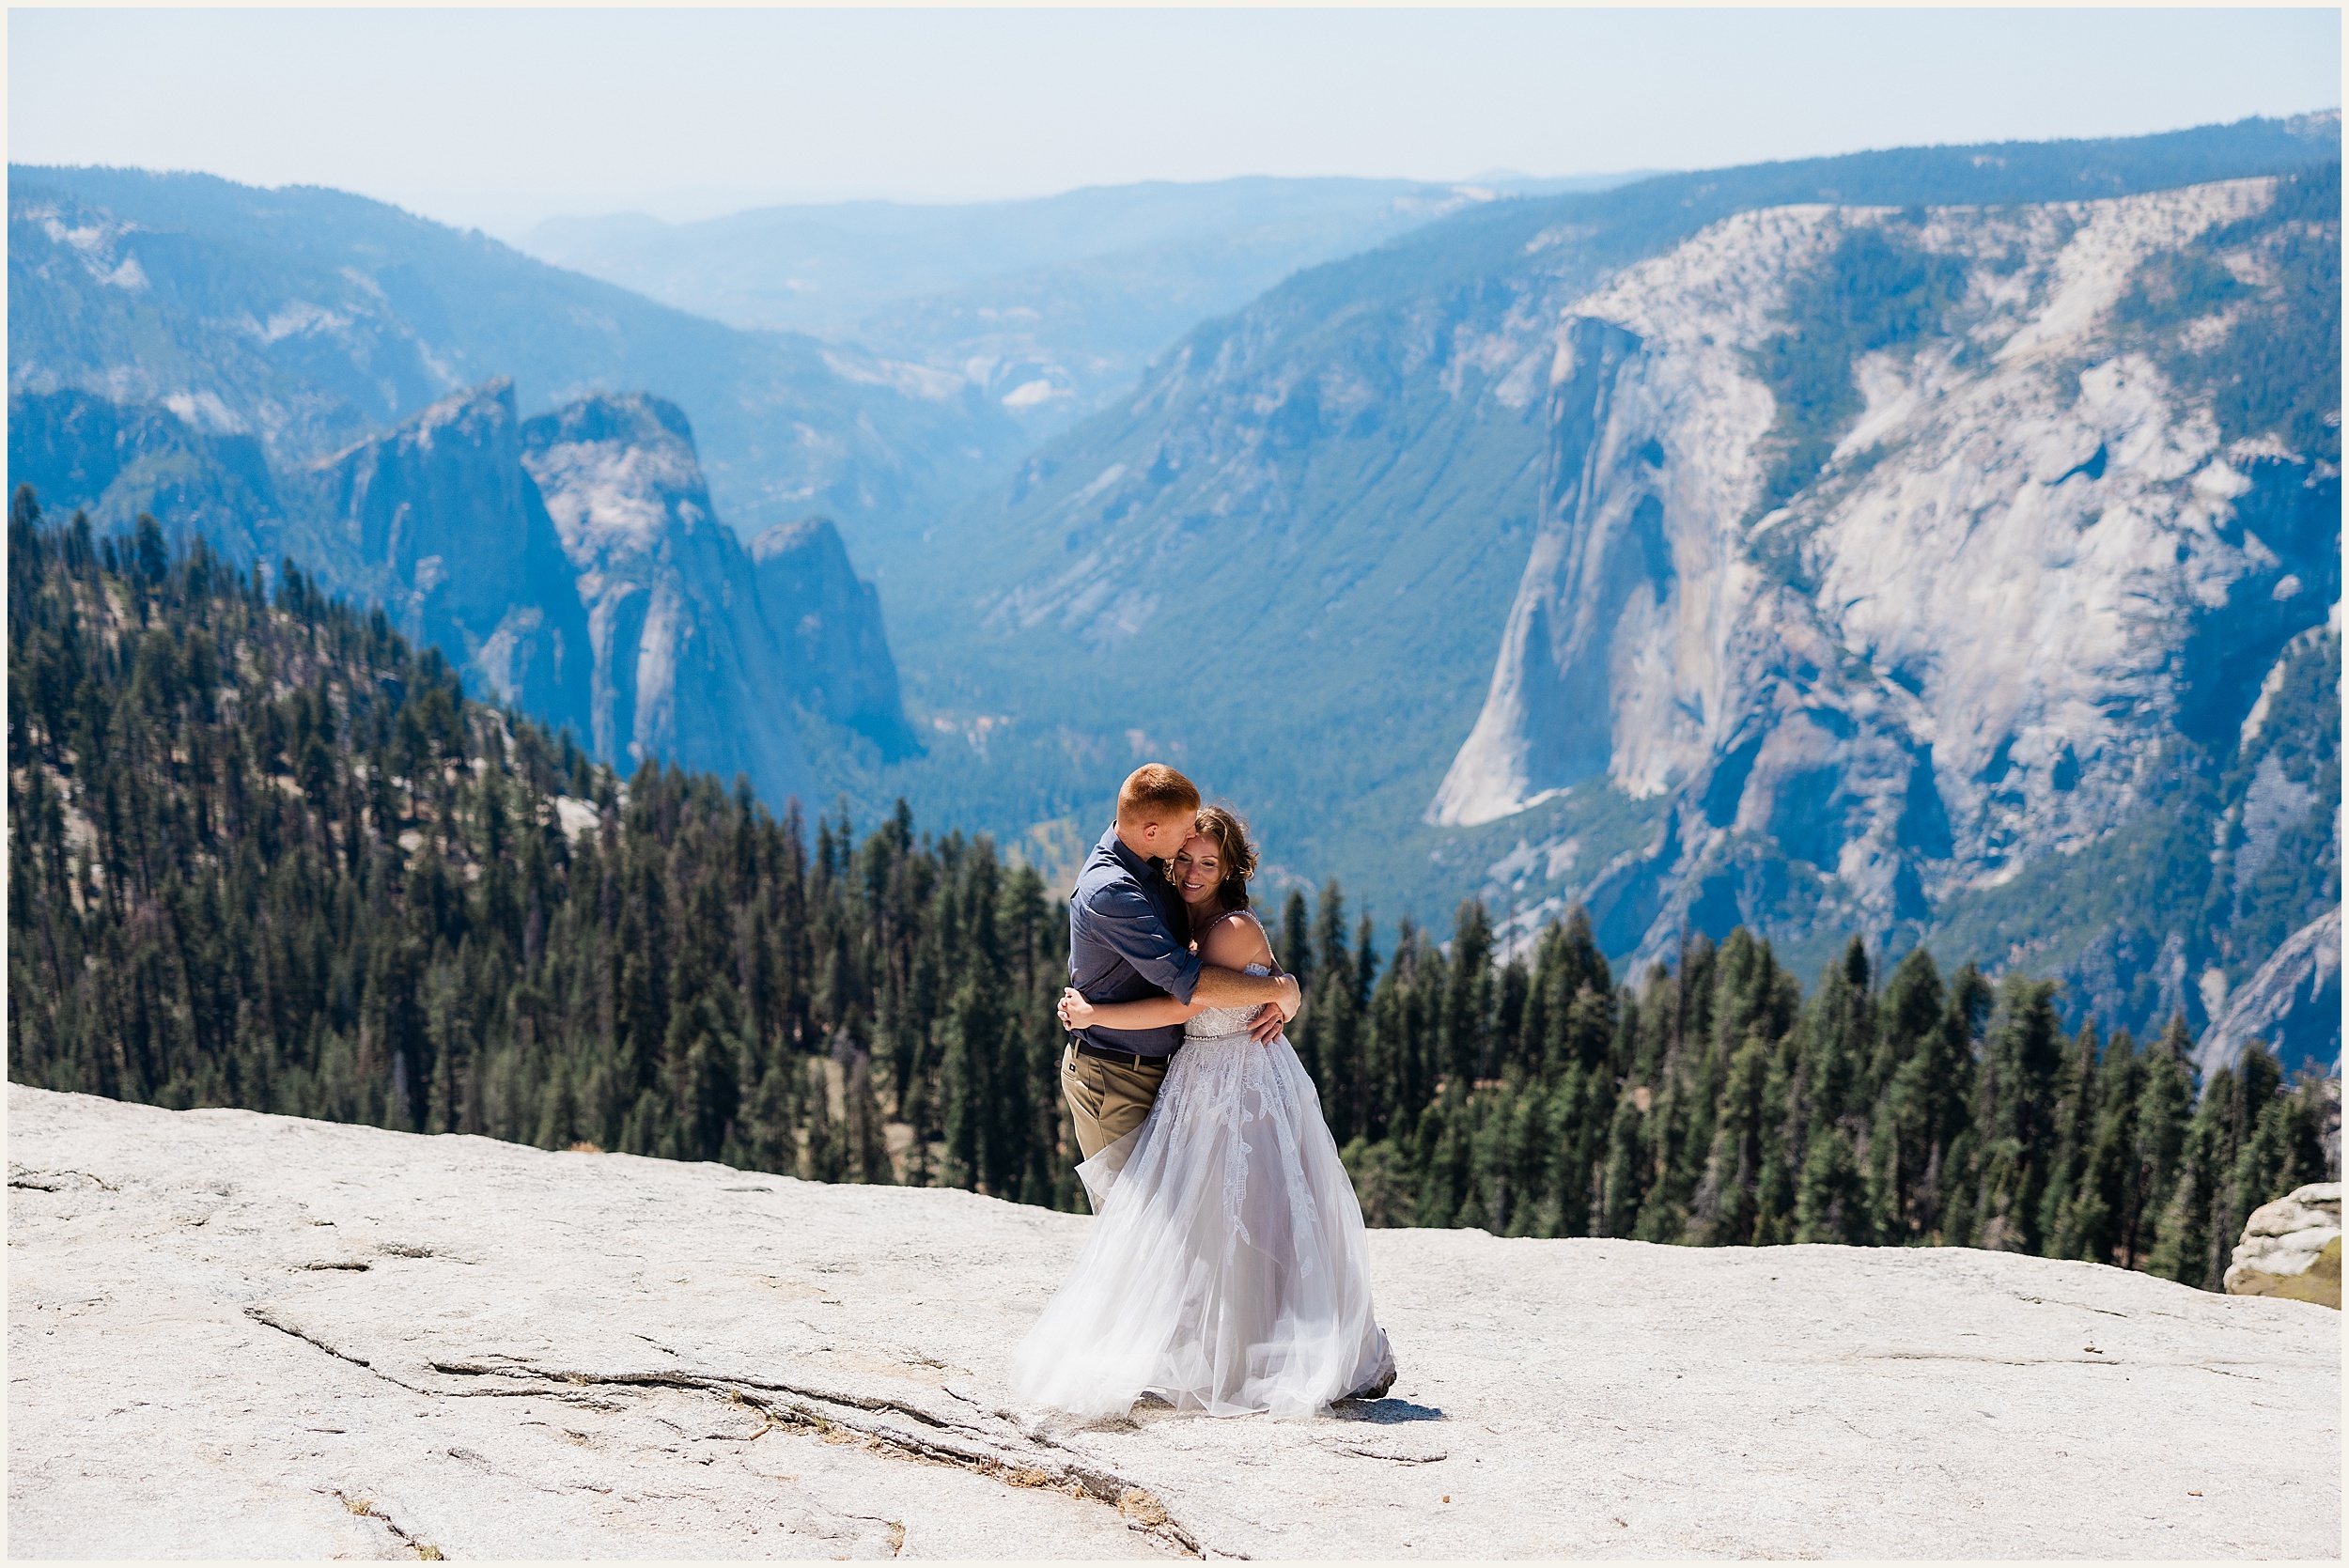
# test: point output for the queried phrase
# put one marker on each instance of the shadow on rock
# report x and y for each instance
(1383, 1412)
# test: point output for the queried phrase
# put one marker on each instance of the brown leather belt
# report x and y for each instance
(1123, 1057)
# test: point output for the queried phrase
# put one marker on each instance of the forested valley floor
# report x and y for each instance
(264, 854)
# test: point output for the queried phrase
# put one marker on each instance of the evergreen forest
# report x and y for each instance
(263, 853)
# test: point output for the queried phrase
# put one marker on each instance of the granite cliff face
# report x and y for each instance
(575, 564)
(826, 623)
(1971, 628)
(439, 519)
(2292, 1006)
(685, 665)
(572, 564)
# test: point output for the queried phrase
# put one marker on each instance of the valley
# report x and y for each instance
(1050, 306)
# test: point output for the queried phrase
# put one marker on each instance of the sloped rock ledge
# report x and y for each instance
(250, 1336)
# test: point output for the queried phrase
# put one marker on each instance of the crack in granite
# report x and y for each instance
(796, 1408)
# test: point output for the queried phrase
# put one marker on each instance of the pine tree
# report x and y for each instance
(2015, 1115)
(1726, 1208)
(1296, 948)
(1622, 1189)
(2187, 1249)
(2164, 1103)
(2075, 1120)
(865, 1141)
(1830, 1201)
(2092, 1223)
(827, 1154)
(1465, 1030)
(1330, 1035)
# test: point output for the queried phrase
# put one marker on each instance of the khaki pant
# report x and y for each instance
(1106, 1100)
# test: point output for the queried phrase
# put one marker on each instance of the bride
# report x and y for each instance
(1227, 1269)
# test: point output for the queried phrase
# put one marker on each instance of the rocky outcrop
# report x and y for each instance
(705, 651)
(2291, 1006)
(826, 623)
(684, 665)
(2292, 1248)
(572, 566)
(1954, 639)
(454, 538)
(237, 1335)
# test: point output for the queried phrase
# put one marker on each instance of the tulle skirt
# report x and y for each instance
(1227, 1269)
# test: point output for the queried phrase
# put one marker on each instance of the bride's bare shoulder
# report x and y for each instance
(1236, 942)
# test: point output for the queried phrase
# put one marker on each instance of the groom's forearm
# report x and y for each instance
(1219, 987)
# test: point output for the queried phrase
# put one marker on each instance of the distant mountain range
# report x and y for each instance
(1939, 544)
(1051, 306)
(307, 319)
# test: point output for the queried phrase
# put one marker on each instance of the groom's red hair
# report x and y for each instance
(1153, 791)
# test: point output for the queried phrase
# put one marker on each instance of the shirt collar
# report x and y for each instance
(1124, 857)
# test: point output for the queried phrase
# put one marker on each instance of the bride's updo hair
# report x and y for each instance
(1233, 849)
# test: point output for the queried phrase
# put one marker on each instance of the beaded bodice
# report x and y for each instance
(1216, 1024)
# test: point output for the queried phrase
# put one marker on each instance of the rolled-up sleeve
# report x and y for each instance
(1123, 920)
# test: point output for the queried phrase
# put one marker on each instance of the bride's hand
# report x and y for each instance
(1075, 1011)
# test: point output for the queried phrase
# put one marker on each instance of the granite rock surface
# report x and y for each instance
(1958, 650)
(2292, 1248)
(238, 1335)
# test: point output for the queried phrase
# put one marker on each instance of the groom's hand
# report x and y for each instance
(1266, 1026)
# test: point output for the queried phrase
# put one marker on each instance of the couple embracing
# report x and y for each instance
(1226, 1270)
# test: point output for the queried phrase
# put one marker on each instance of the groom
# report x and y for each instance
(1130, 940)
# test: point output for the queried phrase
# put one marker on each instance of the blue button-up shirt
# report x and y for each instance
(1123, 946)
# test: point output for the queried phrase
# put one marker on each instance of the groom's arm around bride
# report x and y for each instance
(1127, 942)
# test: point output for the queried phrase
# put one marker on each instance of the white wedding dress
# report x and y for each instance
(1227, 1270)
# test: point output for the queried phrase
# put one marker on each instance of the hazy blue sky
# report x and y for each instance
(499, 117)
